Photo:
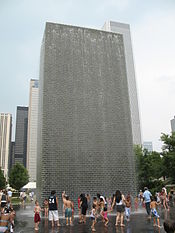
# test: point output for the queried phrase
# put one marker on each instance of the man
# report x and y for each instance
(53, 209)
(147, 199)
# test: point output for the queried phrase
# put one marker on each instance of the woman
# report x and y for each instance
(119, 200)
(84, 206)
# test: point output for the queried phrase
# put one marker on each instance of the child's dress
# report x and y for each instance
(105, 215)
(37, 217)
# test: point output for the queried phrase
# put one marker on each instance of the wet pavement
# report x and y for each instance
(139, 223)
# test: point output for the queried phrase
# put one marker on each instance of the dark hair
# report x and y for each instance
(98, 195)
(105, 208)
(53, 192)
(93, 206)
(118, 196)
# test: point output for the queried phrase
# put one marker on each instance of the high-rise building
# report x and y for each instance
(32, 130)
(148, 146)
(12, 156)
(173, 125)
(124, 29)
(85, 142)
(5, 140)
(21, 135)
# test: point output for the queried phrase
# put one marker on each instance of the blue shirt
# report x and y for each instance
(147, 196)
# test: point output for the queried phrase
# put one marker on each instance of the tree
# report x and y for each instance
(149, 169)
(18, 176)
(169, 142)
(168, 156)
(2, 180)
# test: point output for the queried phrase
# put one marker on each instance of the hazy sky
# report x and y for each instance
(152, 23)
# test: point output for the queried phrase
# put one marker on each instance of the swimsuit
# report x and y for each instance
(154, 213)
(37, 217)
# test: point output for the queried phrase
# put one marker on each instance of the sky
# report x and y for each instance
(152, 24)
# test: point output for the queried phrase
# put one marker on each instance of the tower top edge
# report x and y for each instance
(49, 24)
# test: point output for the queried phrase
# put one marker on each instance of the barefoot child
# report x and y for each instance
(155, 215)
(46, 208)
(105, 215)
(128, 207)
(93, 217)
(37, 218)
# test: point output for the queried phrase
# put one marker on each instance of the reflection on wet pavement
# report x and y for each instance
(138, 224)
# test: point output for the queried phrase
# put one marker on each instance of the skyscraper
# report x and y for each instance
(12, 155)
(173, 124)
(5, 140)
(85, 142)
(21, 135)
(124, 29)
(32, 130)
(148, 146)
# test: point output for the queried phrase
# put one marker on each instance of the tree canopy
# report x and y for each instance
(2, 180)
(168, 155)
(153, 166)
(18, 176)
(149, 170)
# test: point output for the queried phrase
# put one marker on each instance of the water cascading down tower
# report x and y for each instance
(85, 142)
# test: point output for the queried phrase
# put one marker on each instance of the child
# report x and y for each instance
(37, 218)
(105, 216)
(46, 208)
(155, 215)
(93, 217)
(128, 207)
(109, 201)
(12, 218)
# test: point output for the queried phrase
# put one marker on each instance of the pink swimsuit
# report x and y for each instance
(105, 215)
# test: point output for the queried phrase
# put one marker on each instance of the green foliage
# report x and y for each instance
(169, 156)
(156, 186)
(18, 176)
(149, 167)
(169, 142)
(2, 180)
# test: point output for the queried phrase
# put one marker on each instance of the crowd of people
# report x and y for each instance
(7, 213)
(99, 207)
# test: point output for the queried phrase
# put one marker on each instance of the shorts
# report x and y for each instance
(3, 204)
(154, 213)
(83, 210)
(68, 212)
(92, 218)
(53, 215)
(120, 208)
